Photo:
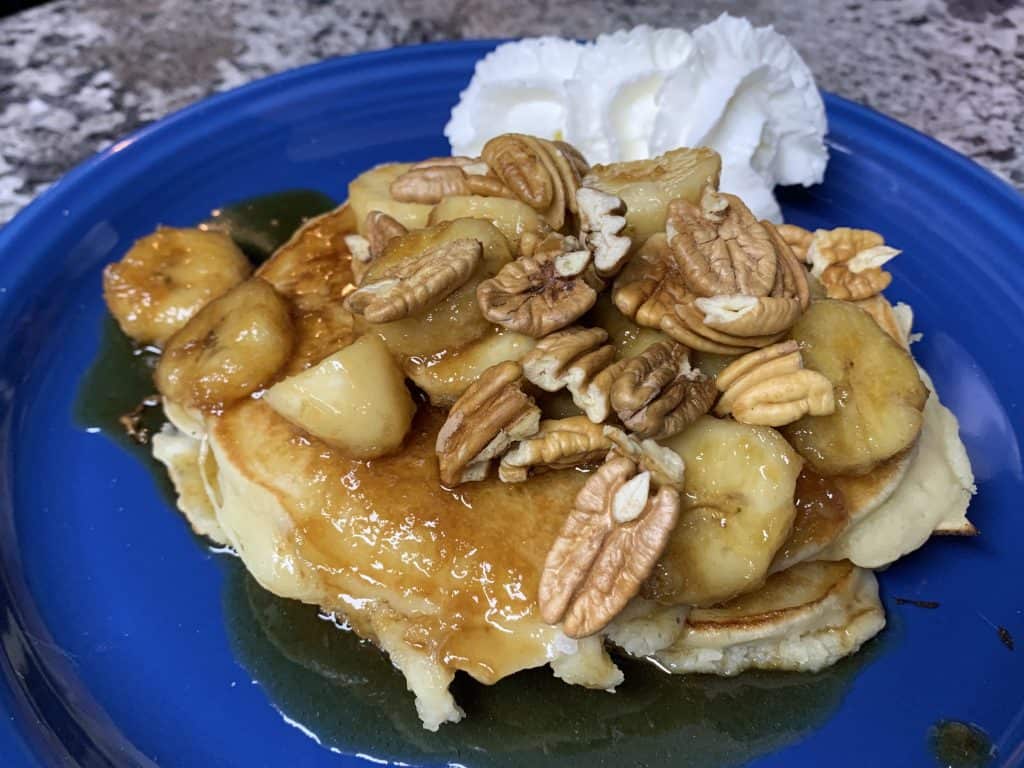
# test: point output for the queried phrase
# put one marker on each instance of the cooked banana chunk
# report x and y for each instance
(513, 218)
(452, 322)
(803, 619)
(878, 393)
(647, 186)
(355, 399)
(371, 191)
(737, 511)
(313, 270)
(230, 349)
(168, 276)
(445, 376)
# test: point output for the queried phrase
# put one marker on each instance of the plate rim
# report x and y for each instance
(22, 730)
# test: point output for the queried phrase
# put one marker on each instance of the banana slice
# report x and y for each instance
(879, 395)
(737, 512)
(168, 276)
(355, 399)
(444, 377)
(314, 270)
(371, 191)
(456, 321)
(803, 619)
(647, 186)
(513, 218)
(231, 348)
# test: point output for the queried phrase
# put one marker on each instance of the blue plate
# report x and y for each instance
(115, 648)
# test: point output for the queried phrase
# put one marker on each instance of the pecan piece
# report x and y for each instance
(488, 417)
(560, 444)
(601, 224)
(571, 355)
(417, 284)
(897, 326)
(607, 547)
(540, 293)
(665, 465)
(771, 388)
(543, 174)
(657, 393)
(848, 262)
(380, 229)
(433, 180)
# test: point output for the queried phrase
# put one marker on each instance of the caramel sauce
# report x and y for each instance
(821, 515)
(462, 563)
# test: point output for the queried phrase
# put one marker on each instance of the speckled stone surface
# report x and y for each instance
(77, 74)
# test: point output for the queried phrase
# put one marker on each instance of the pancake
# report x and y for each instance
(863, 495)
(827, 507)
(934, 493)
(441, 580)
(803, 619)
(182, 455)
(645, 627)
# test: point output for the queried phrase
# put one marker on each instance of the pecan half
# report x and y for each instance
(560, 444)
(543, 174)
(665, 465)
(656, 394)
(488, 417)
(592, 394)
(690, 290)
(720, 247)
(797, 238)
(433, 180)
(848, 262)
(601, 224)
(380, 229)
(571, 355)
(885, 315)
(540, 293)
(359, 249)
(748, 316)
(840, 282)
(771, 388)
(416, 284)
(607, 547)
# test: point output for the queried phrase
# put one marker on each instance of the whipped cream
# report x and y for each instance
(741, 90)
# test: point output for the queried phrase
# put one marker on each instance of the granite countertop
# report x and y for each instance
(77, 74)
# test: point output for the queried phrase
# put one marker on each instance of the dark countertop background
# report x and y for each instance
(77, 74)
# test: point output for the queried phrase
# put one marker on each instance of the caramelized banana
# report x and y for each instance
(647, 186)
(878, 393)
(371, 191)
(737, 512)
(231, 348)
(168, 276)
